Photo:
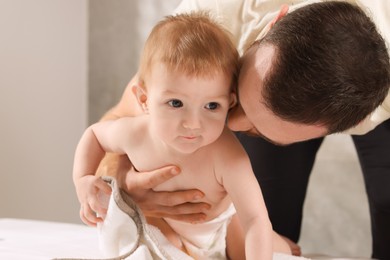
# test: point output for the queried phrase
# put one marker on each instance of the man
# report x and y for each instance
(321, 69)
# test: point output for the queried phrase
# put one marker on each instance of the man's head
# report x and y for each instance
(320, 69)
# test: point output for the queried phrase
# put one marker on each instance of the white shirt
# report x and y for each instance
(247, 21)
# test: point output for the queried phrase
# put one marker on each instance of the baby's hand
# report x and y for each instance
(88, 189)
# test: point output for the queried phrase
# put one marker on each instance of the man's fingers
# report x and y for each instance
(188, 212)
(149, 180)
(177, 198)
(180, 205)
(187, 208)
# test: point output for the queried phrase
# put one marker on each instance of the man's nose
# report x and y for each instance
(237, 120)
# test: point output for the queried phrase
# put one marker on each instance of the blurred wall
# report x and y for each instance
(117, 32)
(43, 90)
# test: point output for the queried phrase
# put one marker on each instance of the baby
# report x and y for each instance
(186, 85)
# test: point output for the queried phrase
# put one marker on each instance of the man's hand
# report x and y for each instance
(179, 205)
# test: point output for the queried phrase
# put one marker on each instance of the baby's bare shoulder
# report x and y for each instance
(228, 143)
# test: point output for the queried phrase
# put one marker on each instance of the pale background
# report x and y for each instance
(43, 100)
(62, 58)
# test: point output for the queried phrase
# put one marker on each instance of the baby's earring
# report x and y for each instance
(144, 106)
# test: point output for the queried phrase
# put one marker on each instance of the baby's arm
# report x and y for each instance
(96, 141)
(242, 186)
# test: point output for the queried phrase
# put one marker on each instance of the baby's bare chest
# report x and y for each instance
(198, 171)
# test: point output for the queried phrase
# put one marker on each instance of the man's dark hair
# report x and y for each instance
(331, 66)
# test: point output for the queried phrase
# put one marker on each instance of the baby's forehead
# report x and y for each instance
(163, 81)
(206, 72)
(161, 71)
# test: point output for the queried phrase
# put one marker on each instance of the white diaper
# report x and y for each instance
(205, 240)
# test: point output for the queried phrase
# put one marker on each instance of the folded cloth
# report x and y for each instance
(126, 235)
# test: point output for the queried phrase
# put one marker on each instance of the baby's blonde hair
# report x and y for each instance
(192, 44)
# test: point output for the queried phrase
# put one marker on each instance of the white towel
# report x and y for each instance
(125, 233)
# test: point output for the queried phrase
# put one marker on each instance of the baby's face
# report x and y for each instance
(187, 112)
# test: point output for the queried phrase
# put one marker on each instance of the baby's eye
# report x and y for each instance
(212, 105)
(175, 103)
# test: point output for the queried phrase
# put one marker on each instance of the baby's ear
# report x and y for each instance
(233, 99)
(141, 96)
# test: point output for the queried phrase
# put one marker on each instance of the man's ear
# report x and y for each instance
(141, 96)
(282, 12)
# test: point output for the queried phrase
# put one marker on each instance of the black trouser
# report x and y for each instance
(283, 173)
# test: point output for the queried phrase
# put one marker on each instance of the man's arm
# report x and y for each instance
(178, 205)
